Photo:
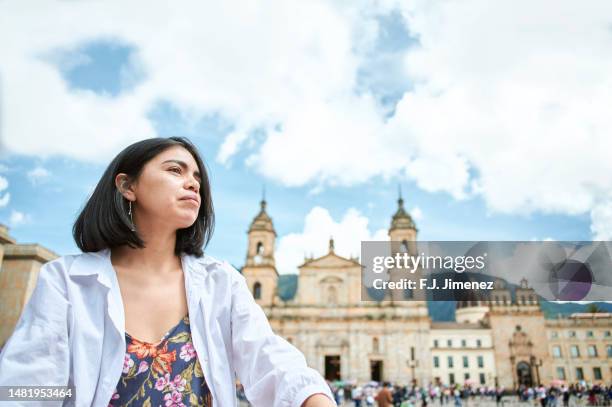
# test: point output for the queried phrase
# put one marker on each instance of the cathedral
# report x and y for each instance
(505, 341)
(340, 335)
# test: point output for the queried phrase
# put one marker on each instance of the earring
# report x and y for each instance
(133, 227)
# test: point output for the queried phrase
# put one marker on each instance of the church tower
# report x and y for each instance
(260, 268)
(402, 234)
(402, 228)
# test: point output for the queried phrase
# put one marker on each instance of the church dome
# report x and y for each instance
(401, 219)
(262, 220)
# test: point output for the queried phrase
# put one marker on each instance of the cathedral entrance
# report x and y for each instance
(523, 374)
(376, 370)
(332, 367)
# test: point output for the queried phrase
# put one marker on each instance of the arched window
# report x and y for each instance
(260, 249)
(375, 345)
(257, 290)
(404, 246)
(332, 297)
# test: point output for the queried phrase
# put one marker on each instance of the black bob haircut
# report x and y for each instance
(104, 221)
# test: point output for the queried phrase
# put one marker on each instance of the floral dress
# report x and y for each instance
(166, 373)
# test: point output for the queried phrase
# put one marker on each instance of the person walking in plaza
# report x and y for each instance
(383, 398)
(541, 394)
(499, 394)
(397, 396)
(357, 395)
(566, 395)
(142, 316)
(457, 396)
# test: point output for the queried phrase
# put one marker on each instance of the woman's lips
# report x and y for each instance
(192, 200)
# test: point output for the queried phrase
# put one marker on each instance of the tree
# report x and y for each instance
(593, 308)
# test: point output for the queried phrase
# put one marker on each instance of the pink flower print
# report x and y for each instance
(143, 367)
(179, 382)
(127, 363)
(187, 352)
(162, 382)
(173, 399)
(115, 396)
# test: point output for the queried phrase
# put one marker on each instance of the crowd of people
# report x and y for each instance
(580, 393)
(387, 394)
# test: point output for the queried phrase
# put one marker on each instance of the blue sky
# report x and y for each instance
(48, 182)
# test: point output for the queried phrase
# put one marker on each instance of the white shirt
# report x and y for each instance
(72, 332)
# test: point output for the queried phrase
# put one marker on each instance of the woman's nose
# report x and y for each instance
(194, 184)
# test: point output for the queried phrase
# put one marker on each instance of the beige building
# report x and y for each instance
(581, 347)
(19, 266)
(504, 341)
(462, 351)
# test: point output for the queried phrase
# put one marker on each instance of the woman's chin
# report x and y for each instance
(186, 223)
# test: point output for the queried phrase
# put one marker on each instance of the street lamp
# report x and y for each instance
(413, 364)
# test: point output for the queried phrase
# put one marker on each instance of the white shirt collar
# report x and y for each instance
(99, 264)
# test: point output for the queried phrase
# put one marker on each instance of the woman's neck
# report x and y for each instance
(157, 257)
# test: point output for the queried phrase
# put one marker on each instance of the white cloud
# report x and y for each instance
(38, 175)
(230, 145)
(546, 239)
(4, 197)
(515, 96)
(17, 218)
(416, 213)
(504, 104)
(247, 63)
(601, 217)
(319, 226)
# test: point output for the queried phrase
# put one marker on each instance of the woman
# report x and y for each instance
(94, 320)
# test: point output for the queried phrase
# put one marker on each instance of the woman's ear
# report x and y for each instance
(122, 182)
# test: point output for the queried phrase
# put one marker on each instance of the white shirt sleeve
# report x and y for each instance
(37, 352)
(272, 371)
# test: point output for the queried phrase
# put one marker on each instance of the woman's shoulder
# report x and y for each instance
(68, 263)
(54, 275)
(61, 264)
(209, 264)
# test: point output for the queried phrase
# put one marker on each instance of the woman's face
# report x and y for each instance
(168, 190)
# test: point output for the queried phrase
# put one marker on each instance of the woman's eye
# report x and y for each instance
(176, 169)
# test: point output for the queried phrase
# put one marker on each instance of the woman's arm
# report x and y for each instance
(37, 352)
(274, 373)
(318, 400)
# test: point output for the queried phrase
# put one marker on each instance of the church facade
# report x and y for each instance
(340, 335)
(504, 341)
